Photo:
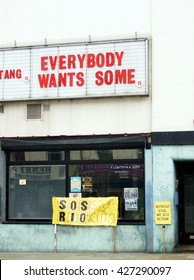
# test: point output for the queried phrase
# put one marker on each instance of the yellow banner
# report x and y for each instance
(89, 211)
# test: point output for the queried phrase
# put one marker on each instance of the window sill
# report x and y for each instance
(49, 222)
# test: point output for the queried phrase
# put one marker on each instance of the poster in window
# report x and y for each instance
(131, 204)
(75, 194)
(75, 184)
(130, 193)
(86, 211)
(87, 184)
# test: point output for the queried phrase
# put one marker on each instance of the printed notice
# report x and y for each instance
(162, 212)
(75, 184)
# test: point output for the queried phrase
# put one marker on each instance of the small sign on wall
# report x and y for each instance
(163, 213)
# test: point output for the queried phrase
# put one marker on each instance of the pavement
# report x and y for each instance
(96, 256)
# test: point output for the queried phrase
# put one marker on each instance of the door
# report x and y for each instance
(186, 203)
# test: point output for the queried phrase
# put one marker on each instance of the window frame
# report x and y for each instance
(67, 161)
(26, 163)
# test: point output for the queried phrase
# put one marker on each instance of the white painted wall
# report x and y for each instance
(79, 117)
(29, 22)
(173, 65)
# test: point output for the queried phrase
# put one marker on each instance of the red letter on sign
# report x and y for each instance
(43, 80)
(90, 60)
(62, 62)
(108, 77)
(119, 57)
(80, 79)
(99, 78)
(44, 64)
(71, 61)
(131, 76)
(81, 60)
(53, 62)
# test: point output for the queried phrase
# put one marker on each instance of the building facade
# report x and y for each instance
(112, 112)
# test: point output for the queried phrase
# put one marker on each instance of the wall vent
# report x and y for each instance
(33, 111)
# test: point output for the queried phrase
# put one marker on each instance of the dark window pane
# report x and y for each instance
(31, 188)
(37, 156)
(106, 154)
(123, 180)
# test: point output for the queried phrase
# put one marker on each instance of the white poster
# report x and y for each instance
(75, 184)
(130, 193)
(131, 204)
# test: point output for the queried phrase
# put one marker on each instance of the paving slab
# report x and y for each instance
(95, 256)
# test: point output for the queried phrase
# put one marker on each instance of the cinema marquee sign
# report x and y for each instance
(118, 68)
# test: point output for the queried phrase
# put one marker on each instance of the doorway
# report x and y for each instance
(185, 172)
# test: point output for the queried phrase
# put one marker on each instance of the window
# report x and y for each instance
(1, 109)
(31, 188)
(123, 180)
(37, 156)
(34, 177)
(106, 154)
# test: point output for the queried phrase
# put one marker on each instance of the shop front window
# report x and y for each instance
(31, 188)
(106, 154)
(126, 181)
(37, 156)
(34, 177)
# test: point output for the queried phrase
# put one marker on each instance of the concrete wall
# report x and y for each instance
(40, 238)
(2, 185)
(164, 182)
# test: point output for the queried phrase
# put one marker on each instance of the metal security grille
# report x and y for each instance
(33, 111)
(1, 109)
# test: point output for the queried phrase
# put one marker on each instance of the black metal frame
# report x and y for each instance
(67, 145)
